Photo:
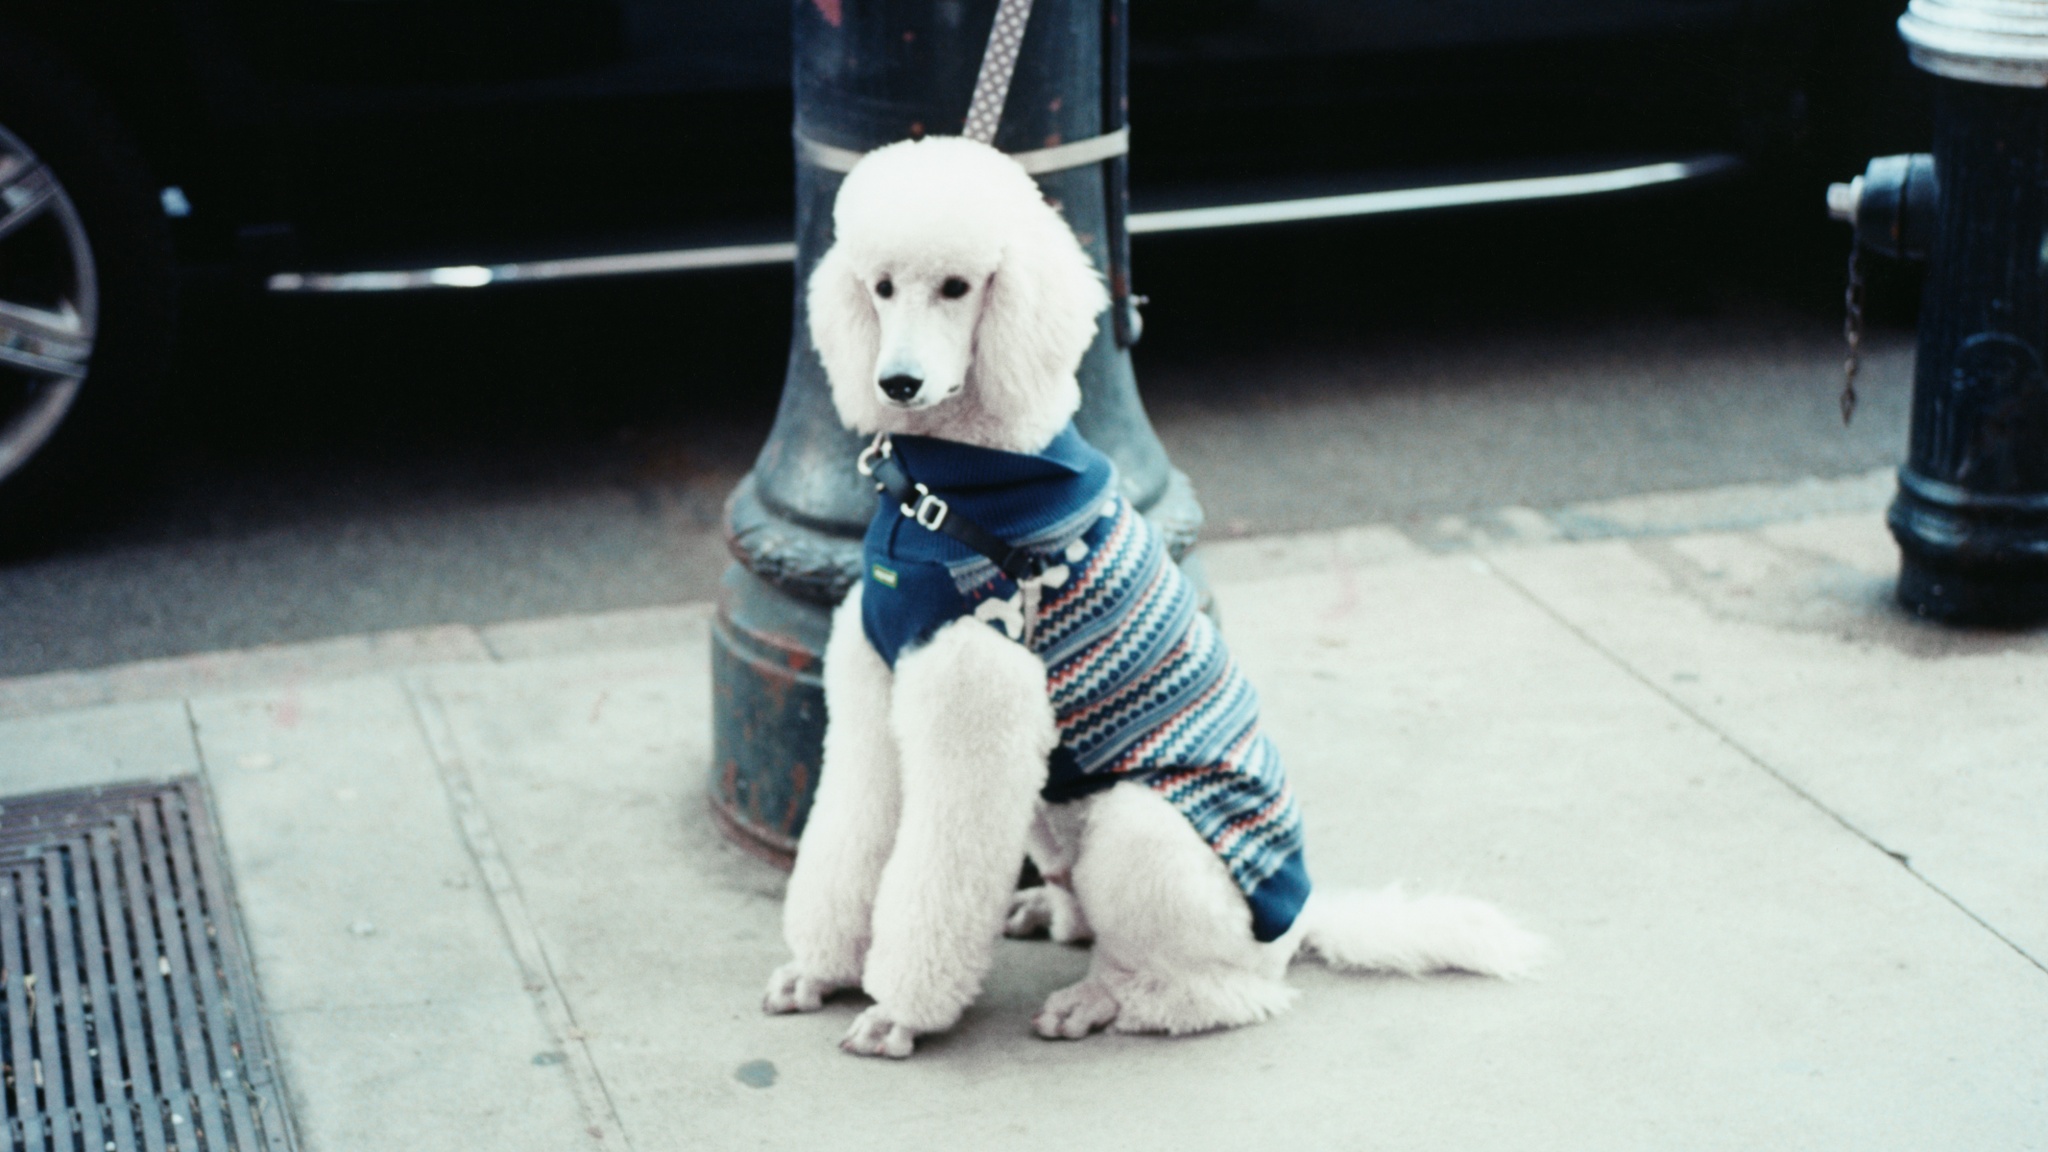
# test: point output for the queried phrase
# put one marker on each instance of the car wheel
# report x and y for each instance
(87, 295)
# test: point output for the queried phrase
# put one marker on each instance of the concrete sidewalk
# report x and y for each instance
(1791, 846)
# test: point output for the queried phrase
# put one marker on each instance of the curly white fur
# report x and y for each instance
(997, 363)
(928, 796)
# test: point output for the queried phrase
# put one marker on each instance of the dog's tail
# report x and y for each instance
(1391, 931)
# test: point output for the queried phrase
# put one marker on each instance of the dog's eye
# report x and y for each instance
(885, 289)
(954, 288)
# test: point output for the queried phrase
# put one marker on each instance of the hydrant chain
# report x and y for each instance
(1852, 332)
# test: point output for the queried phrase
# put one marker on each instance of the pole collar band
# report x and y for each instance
(1038, 161)
(2003, 42)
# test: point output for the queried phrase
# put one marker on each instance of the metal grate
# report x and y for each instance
(128, 1018)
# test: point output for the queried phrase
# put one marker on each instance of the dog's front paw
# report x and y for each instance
(874, 1034)
(791, 989)
(1073, 1012)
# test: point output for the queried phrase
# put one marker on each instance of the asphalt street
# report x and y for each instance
(343, 466)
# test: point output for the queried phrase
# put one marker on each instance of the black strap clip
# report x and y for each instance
(931, 512)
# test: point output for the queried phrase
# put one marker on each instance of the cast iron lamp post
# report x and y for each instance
(1971, 516)
(867, 73)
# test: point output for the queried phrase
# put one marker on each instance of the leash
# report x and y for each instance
(932, 513)
(985, 110)
(998, 65)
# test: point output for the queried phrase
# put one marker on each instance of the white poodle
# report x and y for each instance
(1022, 670)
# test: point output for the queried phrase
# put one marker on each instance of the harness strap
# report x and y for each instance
(1038, 161)
(932, 513)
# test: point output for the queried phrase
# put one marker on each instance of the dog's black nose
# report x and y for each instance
(901, 387)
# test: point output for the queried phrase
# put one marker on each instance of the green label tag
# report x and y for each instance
(883, 576)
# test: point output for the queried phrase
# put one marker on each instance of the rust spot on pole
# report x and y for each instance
(800, 782)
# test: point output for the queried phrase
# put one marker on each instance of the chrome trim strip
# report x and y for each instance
(1141, 223)
(1440, 196)
(538, 271)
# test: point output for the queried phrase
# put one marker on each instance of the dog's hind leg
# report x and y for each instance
(975, 727)
(1174, 950)
(826, 915)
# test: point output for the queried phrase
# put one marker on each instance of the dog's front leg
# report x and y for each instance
(846, 841)
(974, 727)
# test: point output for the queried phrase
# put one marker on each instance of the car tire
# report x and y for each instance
(62, 456)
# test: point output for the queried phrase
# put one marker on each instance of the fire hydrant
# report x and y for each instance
(1971, 515)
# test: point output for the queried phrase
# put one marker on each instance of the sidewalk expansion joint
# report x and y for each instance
(593, 1095)
(1768, 769)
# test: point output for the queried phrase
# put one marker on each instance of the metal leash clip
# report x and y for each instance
(877, 449)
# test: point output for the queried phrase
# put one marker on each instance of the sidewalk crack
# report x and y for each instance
(1743, 750)
(593, 1095)
(483, 637)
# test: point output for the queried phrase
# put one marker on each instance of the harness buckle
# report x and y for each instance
(930, 511)
(877, 449)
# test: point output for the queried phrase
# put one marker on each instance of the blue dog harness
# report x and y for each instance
(1043, 548)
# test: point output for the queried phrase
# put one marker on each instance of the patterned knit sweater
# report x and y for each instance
(1141, 684)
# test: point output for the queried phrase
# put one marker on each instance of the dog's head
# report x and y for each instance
(955, 301)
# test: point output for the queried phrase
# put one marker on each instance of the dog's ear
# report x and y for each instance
(1037, 322)
(847, 335)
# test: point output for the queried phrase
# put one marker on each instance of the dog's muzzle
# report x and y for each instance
(900, 387)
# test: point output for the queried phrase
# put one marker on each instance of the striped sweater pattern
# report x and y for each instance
(1142, 686)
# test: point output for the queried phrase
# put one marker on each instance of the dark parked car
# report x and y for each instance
(382, 145)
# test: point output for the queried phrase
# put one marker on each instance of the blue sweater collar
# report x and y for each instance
(1014, 495)
(957, 467)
